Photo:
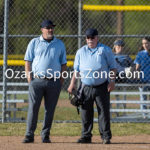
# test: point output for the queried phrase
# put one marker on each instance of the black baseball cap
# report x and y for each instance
(119, 43)
(91, 32)
(47, 23)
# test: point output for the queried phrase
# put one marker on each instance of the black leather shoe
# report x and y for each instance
(46, 139)
(106, 141)
(84, 140)
(28, 139)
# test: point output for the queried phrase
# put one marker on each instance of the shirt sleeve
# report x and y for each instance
(77, 62)
(63, 59)
(130, 60)
(137, 59)
(110, 59)
(29, 55)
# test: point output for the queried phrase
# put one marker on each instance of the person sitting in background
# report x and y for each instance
(142, 62)
(123, 62)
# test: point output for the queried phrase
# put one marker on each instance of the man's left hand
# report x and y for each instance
(111, 86)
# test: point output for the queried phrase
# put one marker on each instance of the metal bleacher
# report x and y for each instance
(120, 112)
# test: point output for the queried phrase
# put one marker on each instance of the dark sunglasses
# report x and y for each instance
(49, 27)
(90, 37)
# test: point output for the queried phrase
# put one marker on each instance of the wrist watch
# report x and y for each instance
(112, 80)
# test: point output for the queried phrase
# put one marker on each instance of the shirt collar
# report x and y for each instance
(42, 39)
(96, 48)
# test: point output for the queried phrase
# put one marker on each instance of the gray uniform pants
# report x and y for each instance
(101, 96)
(38, 88)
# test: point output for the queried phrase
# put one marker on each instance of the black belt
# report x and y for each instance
(97, 86)
(46, 78)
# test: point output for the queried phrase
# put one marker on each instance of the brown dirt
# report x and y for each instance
(141, 142)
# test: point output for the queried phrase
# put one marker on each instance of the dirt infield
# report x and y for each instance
(141, 142)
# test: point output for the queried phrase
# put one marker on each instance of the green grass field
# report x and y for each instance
(74, 129)
(67, 112)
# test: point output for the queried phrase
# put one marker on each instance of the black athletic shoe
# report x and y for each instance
(46, 139)
(28, 139)
(106, 141)
(84, 140)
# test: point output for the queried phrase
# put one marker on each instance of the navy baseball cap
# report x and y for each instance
(119, 43)
(47, 23)
(91, 32)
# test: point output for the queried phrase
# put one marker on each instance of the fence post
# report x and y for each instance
(79, 23)
(5, 46)
(79, 30)
(120, 19)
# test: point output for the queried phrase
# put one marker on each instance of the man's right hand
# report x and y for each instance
(71, 88)
(29, 80)
(28, 71)
(72, 84)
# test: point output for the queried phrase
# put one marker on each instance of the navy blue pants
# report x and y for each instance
(50, 90)
(101, 96)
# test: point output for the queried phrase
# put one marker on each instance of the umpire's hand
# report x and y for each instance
(71, 88)
(111, 86)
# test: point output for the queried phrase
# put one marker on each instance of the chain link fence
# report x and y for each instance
(72, 18)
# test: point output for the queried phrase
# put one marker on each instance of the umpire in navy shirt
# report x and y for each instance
(94, 62)
(45, 60)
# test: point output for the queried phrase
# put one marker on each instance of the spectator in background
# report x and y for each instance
(123, 62)
(142, 62)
